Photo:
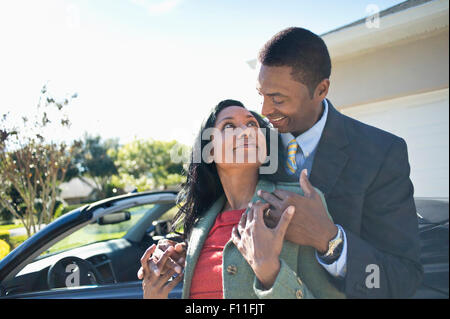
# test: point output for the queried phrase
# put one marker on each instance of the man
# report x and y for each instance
(372, 249)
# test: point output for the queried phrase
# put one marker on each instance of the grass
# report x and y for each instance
(17, 240)
(10, 226)
(13, 241)
(81, 238)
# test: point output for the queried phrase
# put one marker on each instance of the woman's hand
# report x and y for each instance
(155, 284)
(176, 259)
(259, 245)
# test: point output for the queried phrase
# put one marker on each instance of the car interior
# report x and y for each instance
(110, 259)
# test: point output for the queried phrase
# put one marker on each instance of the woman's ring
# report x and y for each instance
(267, 212)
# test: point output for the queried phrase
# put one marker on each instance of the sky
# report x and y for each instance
(146, 68)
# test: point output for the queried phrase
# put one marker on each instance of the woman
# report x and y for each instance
(233, 253)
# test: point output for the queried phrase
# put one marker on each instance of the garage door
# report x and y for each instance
(422, 120)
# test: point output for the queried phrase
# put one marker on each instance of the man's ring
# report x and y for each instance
(267, 212)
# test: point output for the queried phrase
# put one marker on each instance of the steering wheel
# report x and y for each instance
(72, 272)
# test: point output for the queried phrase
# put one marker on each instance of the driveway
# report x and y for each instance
(22, 231)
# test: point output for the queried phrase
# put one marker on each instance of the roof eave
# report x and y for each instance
(399, 26)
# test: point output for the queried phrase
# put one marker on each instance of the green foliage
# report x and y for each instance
(4, 235)
(17, 240)
(95, 160)
(4, 249)
(95, 163)
(16, 201)
(32, 166)
(64, 209)
(10, 226)
(12, 242)
(59, 211)
(147, 164)
(113, 189)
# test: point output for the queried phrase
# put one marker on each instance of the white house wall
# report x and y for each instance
(419, 65)
(423, 121)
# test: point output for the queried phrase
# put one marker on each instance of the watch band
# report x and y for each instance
(334, 249)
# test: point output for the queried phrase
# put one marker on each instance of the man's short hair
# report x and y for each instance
(302, 50)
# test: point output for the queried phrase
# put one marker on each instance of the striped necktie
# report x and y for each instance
(291, 164)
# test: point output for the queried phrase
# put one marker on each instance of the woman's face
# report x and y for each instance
(238, 140)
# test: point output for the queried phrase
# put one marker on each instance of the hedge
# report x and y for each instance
(15, 241)
(61, 210)
(4, 249)
(12, 242)
(4, 235)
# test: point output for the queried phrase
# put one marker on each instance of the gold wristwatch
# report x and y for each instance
(334, 249)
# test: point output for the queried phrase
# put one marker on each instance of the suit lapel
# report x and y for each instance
(330, 158)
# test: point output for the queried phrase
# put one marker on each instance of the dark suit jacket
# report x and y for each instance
(364, 175)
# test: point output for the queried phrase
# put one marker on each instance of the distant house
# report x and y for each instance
(77, 191)
(395, 77)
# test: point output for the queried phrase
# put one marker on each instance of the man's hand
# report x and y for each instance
(176, 259)
(310, 225)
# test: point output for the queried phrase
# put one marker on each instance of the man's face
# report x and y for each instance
(286, 102)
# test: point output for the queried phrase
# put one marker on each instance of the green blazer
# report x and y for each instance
(300, 276)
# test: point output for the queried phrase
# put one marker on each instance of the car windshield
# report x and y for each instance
(96, 232)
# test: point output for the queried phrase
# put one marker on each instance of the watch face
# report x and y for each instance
(334, 243)
(334, 247)
(334, 254)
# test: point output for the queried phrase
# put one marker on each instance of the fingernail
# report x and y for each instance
(259, 192)
(250, 204)
(290, 210)
(178, 269)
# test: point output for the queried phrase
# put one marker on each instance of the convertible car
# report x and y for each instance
(94, 251)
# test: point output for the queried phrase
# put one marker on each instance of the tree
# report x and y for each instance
(32, 167)
(147, 164)
(15, 200)
(95, 163)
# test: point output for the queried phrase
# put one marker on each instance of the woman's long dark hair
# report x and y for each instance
(203, 187)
